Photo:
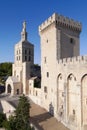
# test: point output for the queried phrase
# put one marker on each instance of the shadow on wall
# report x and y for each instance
(51, 109)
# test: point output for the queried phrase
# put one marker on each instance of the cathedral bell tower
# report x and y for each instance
(24, 60)
(24, 50)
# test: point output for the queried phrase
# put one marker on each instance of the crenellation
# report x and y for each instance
(49, 21)
(69, 59)
(61, 20)
(64, 60)
(73, 60)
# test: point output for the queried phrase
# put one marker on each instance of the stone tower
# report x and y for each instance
(64, 33)
(59, 39)
(24, 50)
(24, 60)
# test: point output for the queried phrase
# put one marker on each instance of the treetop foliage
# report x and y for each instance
(5, 69)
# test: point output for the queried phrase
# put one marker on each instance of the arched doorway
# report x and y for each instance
(9, 88)
(17, 91)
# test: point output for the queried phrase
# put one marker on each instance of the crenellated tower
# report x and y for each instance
(59, 39)
(65, 36)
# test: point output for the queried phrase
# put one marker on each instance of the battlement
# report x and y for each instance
(73, 60)
(61, 21)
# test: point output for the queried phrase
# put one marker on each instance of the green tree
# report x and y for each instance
(10, 124)
(21, 119)
(22, 114)
(5, 71)
(2, 119)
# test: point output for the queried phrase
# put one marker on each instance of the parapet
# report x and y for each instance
(61, 21)
(73, 60)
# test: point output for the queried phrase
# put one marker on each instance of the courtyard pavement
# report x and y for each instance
(43, 120)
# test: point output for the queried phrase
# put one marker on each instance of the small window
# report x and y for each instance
(73, 112)
(17, 51)
(56, 21)
(71, 40)
(62, 106)
(25, 58)
(45, 59)
(63, 94)
(47, 41)
(45, 89)
(36, 93)
(47, 74)
(19, 57)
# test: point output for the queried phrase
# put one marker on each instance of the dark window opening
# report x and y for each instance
(19, 57)
(47, 74)
(71, 40)
(45, 89)
(36, 93)
(17, 51)
(25, 58)
(45, 59)
(17, 92)
(73, 112)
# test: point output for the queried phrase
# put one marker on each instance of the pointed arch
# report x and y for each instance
(71, 97)
(60, 96)
(70, 76)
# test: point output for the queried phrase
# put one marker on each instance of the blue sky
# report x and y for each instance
(14, 12)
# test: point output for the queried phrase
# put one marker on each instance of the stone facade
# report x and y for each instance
(63, 71)
(63, 89)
